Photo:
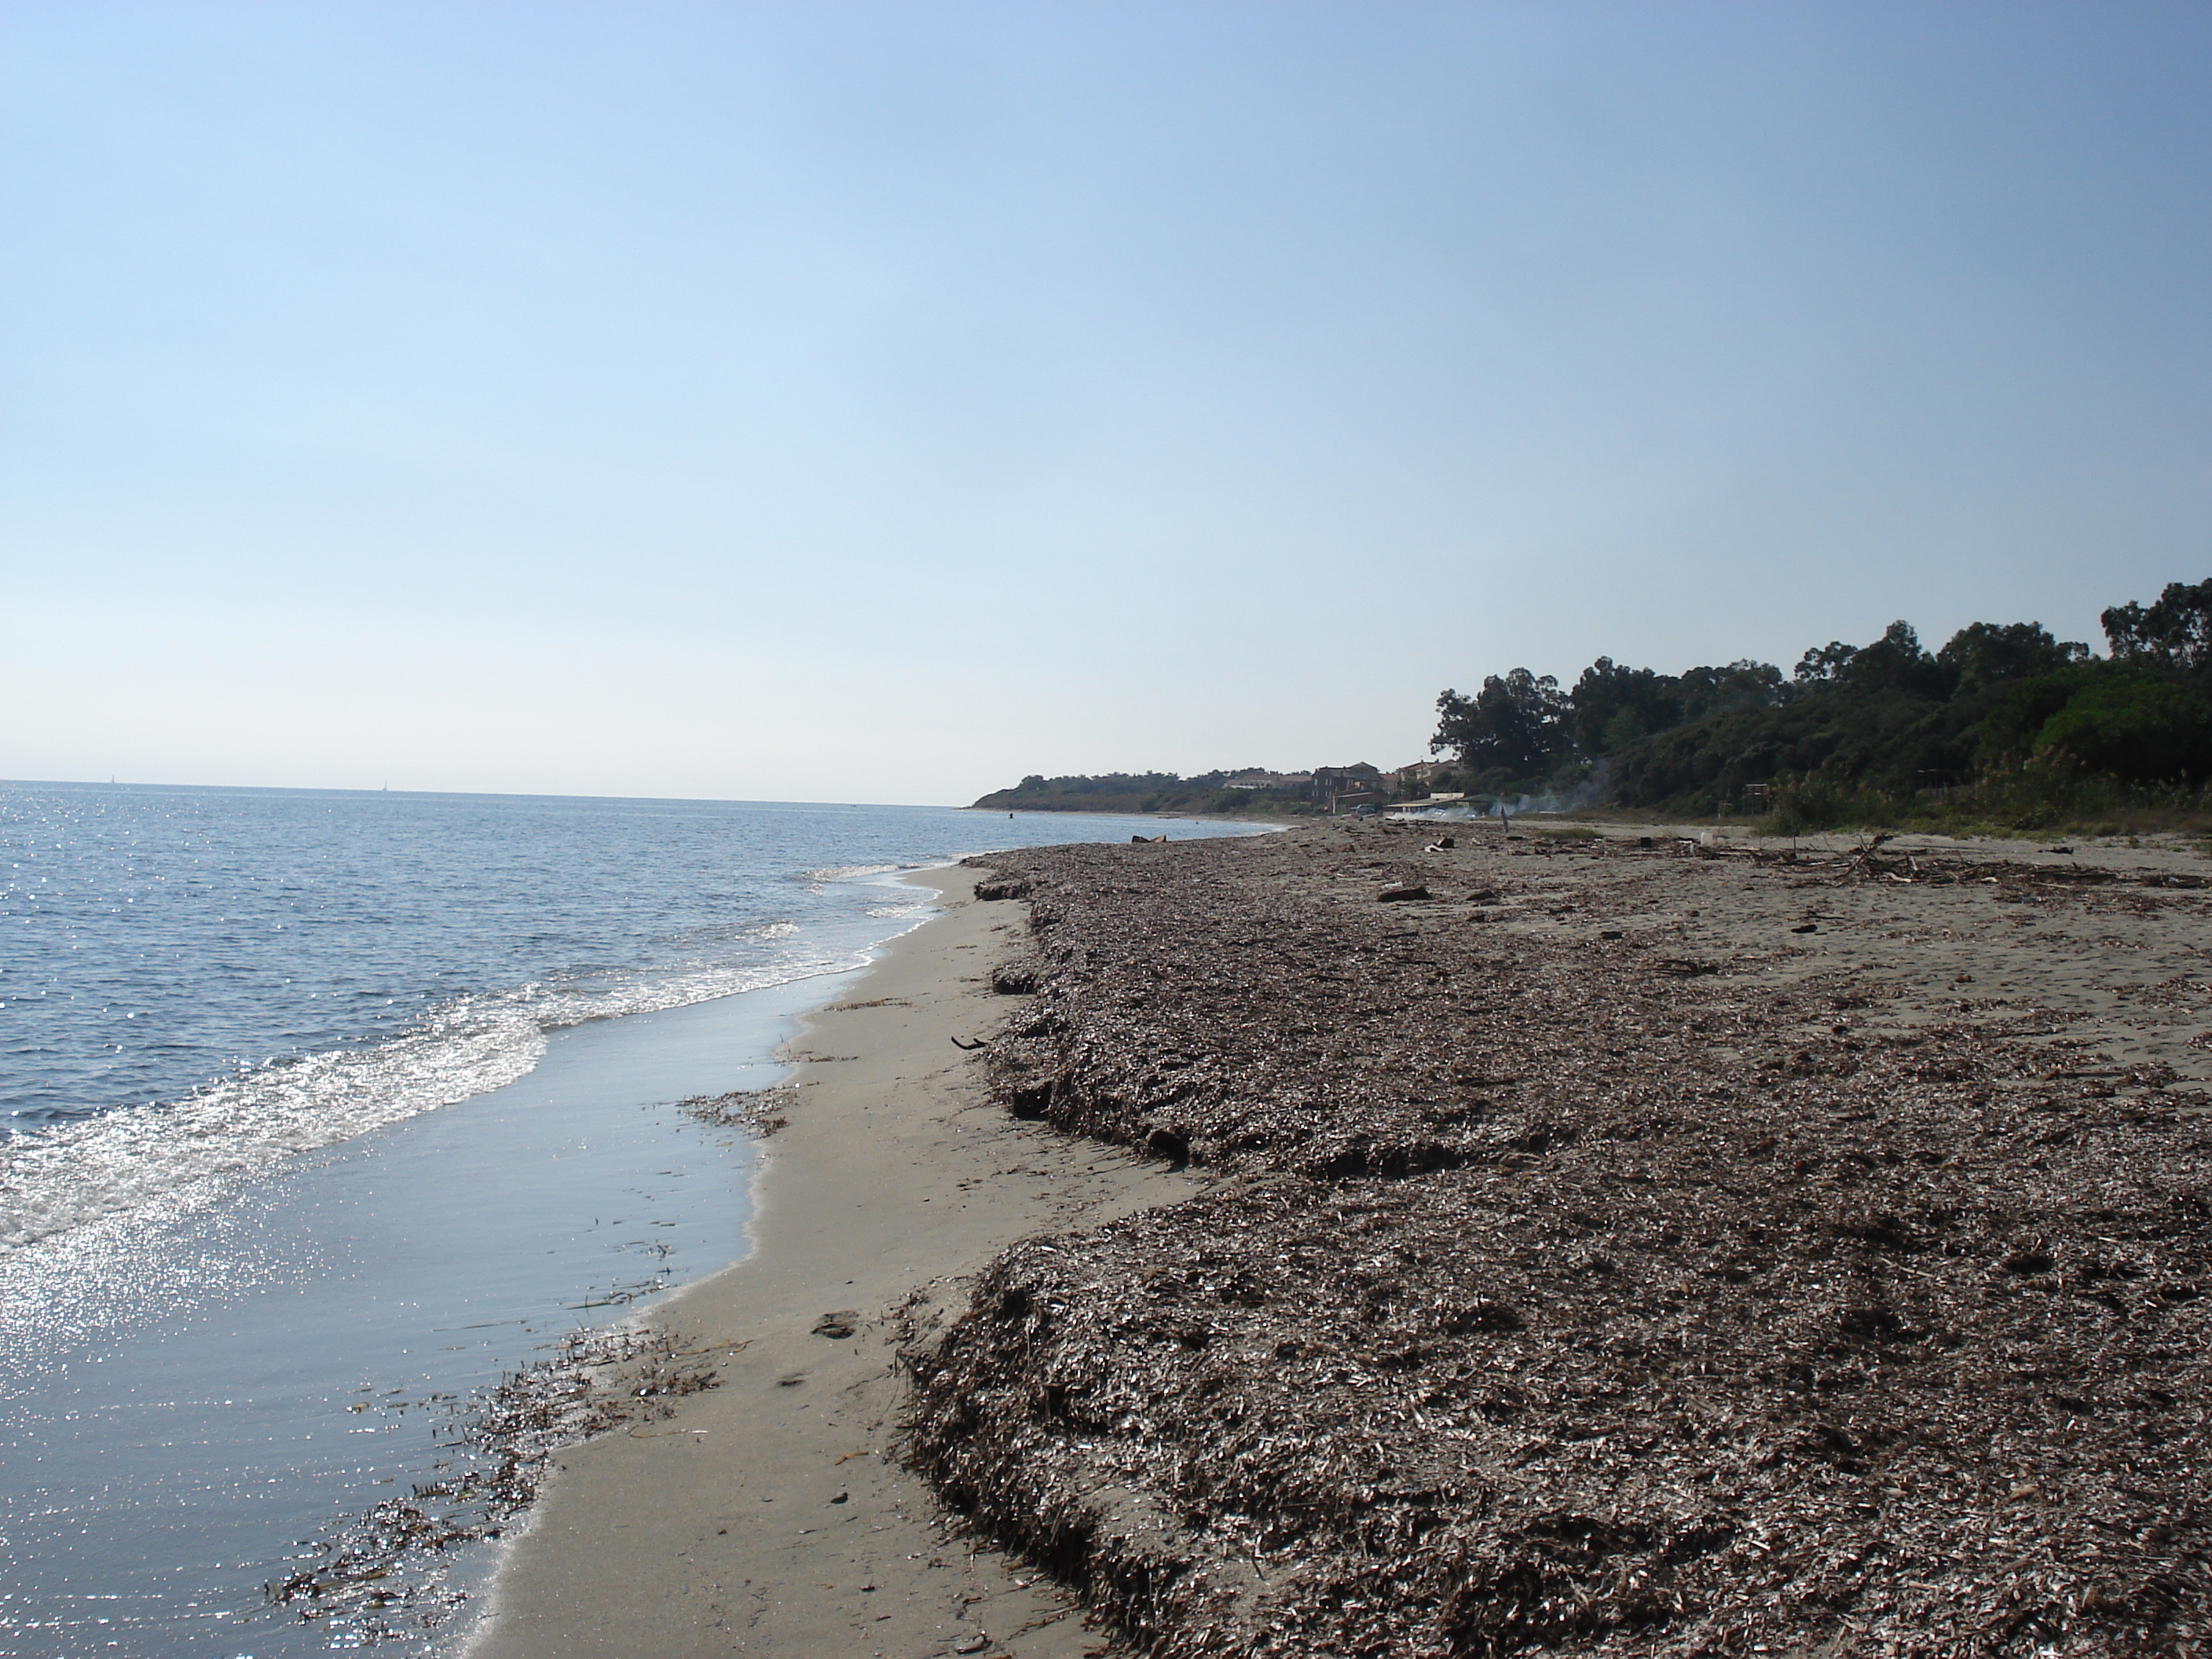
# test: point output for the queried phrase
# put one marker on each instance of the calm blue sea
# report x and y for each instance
(321, 1111)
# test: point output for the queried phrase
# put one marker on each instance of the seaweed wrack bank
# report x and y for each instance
(1627, 1248)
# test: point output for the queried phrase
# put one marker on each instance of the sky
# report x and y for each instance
(882, 402)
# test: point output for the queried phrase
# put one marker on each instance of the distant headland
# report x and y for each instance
(1252, 790)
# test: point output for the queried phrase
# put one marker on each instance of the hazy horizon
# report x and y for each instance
(880, 403)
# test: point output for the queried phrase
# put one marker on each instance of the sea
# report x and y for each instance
(322, 1113)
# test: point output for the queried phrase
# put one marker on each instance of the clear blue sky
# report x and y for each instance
(880, 401)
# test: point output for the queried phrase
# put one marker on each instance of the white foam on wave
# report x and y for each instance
(848, 872)
(918, 911)
(55, 1179)
(188, 1154)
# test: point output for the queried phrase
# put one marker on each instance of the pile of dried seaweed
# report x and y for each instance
(1550, 1299)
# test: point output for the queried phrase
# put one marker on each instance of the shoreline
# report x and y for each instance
(1616, 1242)
(770, 1514)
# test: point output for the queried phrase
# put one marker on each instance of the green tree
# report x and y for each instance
(2174, 632)
(1740, 685)
(1612, 706)
(2008, 734)
(1823, 663)
(1894, 663)
(2146, 731)
(1516, 724)
(1983, 654)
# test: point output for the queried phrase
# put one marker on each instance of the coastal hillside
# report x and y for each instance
(1254, 790)
(1611, 1245)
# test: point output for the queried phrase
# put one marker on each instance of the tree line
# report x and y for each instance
(1892, 718)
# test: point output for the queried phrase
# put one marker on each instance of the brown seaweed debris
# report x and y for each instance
(1539, 1304)
(381, 1576)
(755, 1111)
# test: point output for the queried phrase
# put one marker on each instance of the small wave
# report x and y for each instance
(848, 872)
(188, 1154)
(53, 1180)
(919, 911)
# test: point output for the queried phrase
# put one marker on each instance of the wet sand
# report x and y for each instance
(769, 1515)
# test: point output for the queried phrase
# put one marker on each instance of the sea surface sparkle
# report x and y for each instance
(321, 1111)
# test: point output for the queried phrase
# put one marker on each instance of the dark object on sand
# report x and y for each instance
(1400, 890)
(1806, 927)
(971, 1046)
(1172, 1144)
(1014, 979)
(1002, 887)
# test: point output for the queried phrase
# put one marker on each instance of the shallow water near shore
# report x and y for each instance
(439, 1044)
(194, 1403)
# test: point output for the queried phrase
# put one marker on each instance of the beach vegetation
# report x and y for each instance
(2004, 726)
(1518, 723)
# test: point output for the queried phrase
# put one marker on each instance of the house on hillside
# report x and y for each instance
(1421, 776)
(1342, 788)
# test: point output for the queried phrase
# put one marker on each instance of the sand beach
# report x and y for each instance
(768, 1513)
(1606, 1243)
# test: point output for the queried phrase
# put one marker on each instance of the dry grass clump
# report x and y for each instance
(1551, 1299)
